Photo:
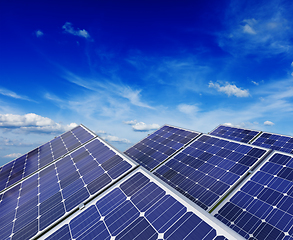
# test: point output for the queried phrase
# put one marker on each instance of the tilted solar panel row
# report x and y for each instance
(31, 162)
(160, 145)
(40, 200)
(272, 141)
(275, 141)
(140, 207)
(235, 133)
(263, 207)
(207, 168)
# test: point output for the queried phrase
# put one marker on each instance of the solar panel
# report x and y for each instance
(29, 163)
(40, 200)
(157, 147)
(235, 133)
(263, 207)
(140, 207)
(275, 141)
(207, 168)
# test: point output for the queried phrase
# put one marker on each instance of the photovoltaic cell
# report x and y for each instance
(31, 162)
(140, 208)
(208, 167)
(263, 207)
(234, 133)
(43, 198)
(275, 141)
(157, 147)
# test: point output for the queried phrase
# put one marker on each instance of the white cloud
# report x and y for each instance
(292, 74)
(110, 138)
(69, 29)
(268, 123)
(248, 29)
(9, 93)
(13, 155)
(268, 33)
(188, 109)
(100, 132)
(103, 86)
(132, 95)
(131, 122)
(229, 89)
(142, 127)
(32, 122)
(255, 83)
(39, 33)
(229, 124)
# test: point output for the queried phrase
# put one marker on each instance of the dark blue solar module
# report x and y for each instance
(208, 167)
(140, 208)
(234, 133)
(263, 207)
(275, 142)
(157, 147)
(43, 155)
(40, 200)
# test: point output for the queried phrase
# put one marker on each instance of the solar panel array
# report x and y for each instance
(249, 192)
(234, 133)
(157, 147)
(34, 160)
(275, 142)
(40, 200)
(208, 167)
(140, 208)
(263, 207)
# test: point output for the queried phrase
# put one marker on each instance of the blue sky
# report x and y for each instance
(125, 68)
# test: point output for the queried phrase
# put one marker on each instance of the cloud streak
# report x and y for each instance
(13, 155)
(68, 28)
(142, 127)
(102, 86)
(268, 31)
(268, 123)
(39, 33)
(188, 109)
(8, 93)
(229, 89)
(115, 139)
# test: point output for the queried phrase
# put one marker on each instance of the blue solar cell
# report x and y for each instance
(263, 207)
(41, 156)
(233, 133)
(275, 142)
(138, 208)
(57, 189)
(62, 234)
(214, 173)
(157, 147)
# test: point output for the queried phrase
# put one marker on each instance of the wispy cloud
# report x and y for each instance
(8, 93)
(39, 33)
(32, 122)
(13, 155)
(68, 28)
(268, 31)
(248, 27)
(110, 138)
(268, 123)
(111, 88)
(131, 122)
(188, 109)
(229, 89)
(142, 127)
